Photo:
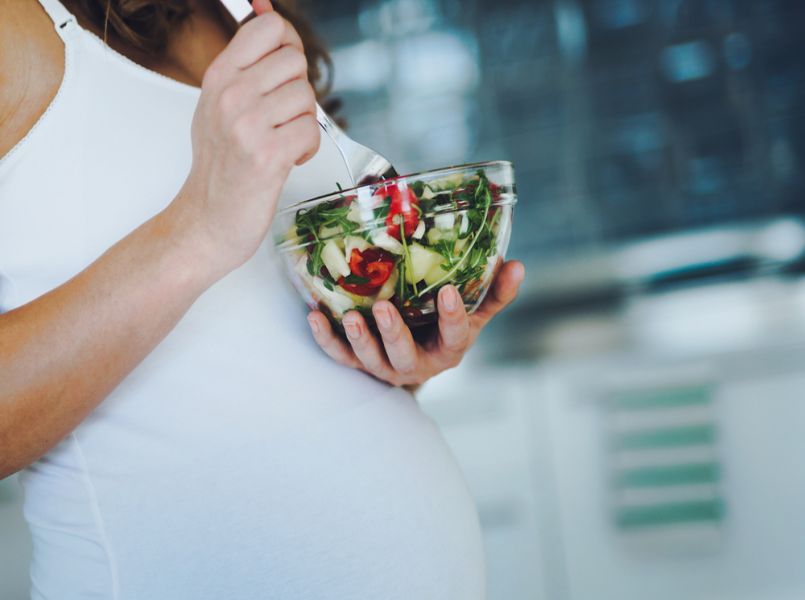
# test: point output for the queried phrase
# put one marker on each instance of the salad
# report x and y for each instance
(401, 241)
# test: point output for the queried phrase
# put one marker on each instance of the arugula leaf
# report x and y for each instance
(315, 262)
(418, 187)
(353, 279)
(472, 264)
(382, 211)
(464, 260)
(407, 253)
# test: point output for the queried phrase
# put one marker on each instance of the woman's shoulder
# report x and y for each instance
(31, 68)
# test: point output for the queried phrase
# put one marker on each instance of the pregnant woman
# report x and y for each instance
(179, 433)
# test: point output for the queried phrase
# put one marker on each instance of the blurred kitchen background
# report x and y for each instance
(634, 428)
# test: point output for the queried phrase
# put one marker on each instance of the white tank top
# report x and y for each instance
(237, 461)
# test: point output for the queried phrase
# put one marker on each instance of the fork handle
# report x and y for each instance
(239, 9)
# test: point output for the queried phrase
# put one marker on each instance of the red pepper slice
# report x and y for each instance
(356, 262)
(374, 266)
(359, 289)
(378, 272)
(403, 208)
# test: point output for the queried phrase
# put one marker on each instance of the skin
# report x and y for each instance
(400, 359)
(63, 353)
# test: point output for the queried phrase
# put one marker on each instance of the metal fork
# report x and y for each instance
(364, 164)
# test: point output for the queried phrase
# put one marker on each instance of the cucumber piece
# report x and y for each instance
(438, 235)
(382, 239)
(435, 275)
(448, 183)
(291, 236)
(390, 287)
(445, 221)
(465, 224)
(354, 213)
(428, 193)
(422, 261)
(335, 300)
(419, 232)
(329, 232)
(354, 242)
(357, 301)
(333, 258)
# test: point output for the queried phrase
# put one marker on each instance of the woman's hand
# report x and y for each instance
(399, 360)
(255, 120)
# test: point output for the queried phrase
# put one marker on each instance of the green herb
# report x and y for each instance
(382, 211)
(465, 256)
(407, 253)
(353, 279)
(447, 248)
(324, 216)
(473, 261)
(315, 263)
(401, 281)
(310, 222)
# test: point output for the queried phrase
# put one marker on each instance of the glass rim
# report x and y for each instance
(297, 206)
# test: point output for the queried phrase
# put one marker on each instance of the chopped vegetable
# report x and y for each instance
(403, 208)
(422, 262)
(402, 244)
(368, 271)
(333, 258)
(382, 239)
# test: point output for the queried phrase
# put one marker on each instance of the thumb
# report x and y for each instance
(262, 6)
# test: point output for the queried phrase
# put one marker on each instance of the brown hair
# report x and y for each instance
(146, 25)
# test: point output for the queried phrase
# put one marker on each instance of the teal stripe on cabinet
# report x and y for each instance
(665, 471)
(666, 437)
(668, 475)
(670, 514)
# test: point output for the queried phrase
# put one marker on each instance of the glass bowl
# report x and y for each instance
(400, 240)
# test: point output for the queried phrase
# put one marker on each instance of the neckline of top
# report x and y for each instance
(69, 58)
(63, 18)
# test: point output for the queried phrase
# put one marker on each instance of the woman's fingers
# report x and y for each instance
(246, 98)
(254, 40)
(276, 70)
(262, 6)
(285, 104)
(332, 344)
(454, 326)
(366, 347)
(300, 138)
(401, 349)
(503, 292)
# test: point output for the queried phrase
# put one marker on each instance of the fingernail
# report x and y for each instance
(353, 330)
(450, 298)
(314, 325)
(519, 273)
(383, 316)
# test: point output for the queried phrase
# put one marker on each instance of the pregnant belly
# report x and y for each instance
(238, 461)
(368, 503)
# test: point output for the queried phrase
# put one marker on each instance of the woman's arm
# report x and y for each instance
(61, 354)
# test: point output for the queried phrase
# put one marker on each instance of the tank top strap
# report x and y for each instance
(61, 17)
